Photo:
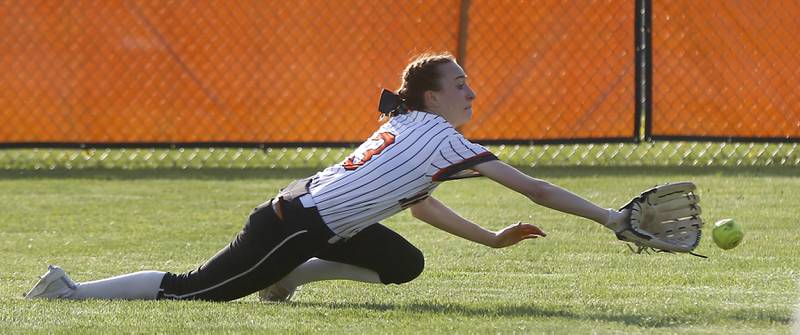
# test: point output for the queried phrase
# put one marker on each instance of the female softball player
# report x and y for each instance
(326, 226)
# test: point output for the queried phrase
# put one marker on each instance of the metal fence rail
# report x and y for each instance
(615, 154)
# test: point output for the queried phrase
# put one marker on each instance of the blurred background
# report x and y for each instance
(296, 83)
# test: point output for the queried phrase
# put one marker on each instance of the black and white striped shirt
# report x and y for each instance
(401, 164)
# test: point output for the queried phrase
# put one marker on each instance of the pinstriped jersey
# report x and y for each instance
(399, 165)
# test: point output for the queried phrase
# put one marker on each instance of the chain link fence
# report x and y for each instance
(138, 84)
(551, 71)
(94, 72)
(697, 154)
(725, 69)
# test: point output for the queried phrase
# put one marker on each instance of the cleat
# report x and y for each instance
(52, 285)
(276, 293)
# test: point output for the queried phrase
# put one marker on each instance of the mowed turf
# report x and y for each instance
(579, 279)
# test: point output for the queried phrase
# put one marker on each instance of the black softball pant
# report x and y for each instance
(268, 248)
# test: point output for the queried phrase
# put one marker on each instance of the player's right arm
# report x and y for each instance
(543, 192)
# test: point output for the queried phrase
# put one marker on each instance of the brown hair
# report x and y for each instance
(422, 75)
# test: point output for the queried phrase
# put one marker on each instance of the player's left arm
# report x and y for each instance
(437, 214)
(545, 193)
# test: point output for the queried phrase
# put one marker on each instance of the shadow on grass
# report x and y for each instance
(640, 320)
(295, 173)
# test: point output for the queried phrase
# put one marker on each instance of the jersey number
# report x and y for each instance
(373, 147)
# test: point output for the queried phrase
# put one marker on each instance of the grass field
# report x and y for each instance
(579, 279)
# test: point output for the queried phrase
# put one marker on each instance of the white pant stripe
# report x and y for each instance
(241, 274)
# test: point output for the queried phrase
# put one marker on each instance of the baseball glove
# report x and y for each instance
(664, 218)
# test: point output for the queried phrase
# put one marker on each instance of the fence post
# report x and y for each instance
(463, 25)
(644, 69)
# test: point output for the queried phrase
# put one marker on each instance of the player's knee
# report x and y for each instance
(404, 269)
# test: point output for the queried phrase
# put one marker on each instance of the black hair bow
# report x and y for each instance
(391, 103)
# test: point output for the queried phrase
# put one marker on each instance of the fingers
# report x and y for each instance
(677, 228)
(512, 240)
(530, 229)
(683, 201)
(672, 188)
(679, 213)
(517, 232)
(672, 197)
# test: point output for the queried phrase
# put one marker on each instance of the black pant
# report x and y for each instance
(379, 249)
(268, 248)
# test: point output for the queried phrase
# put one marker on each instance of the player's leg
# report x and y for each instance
(380, 249)
(265, 251)
(375, 255)
(56, 284)
(312, 270)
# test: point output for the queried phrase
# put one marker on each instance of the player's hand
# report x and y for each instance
(516, 232)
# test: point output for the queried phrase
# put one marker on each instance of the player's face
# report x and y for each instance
(454, 100)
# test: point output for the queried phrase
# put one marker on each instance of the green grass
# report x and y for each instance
(579, 279)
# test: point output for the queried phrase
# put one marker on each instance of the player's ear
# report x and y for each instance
(431, 99)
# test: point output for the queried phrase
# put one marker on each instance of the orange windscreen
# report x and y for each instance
(255, 71)
(303, 71)
(726, 69)
(551, 70)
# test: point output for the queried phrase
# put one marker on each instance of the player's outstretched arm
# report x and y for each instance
(436, 214)
(545, 193)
